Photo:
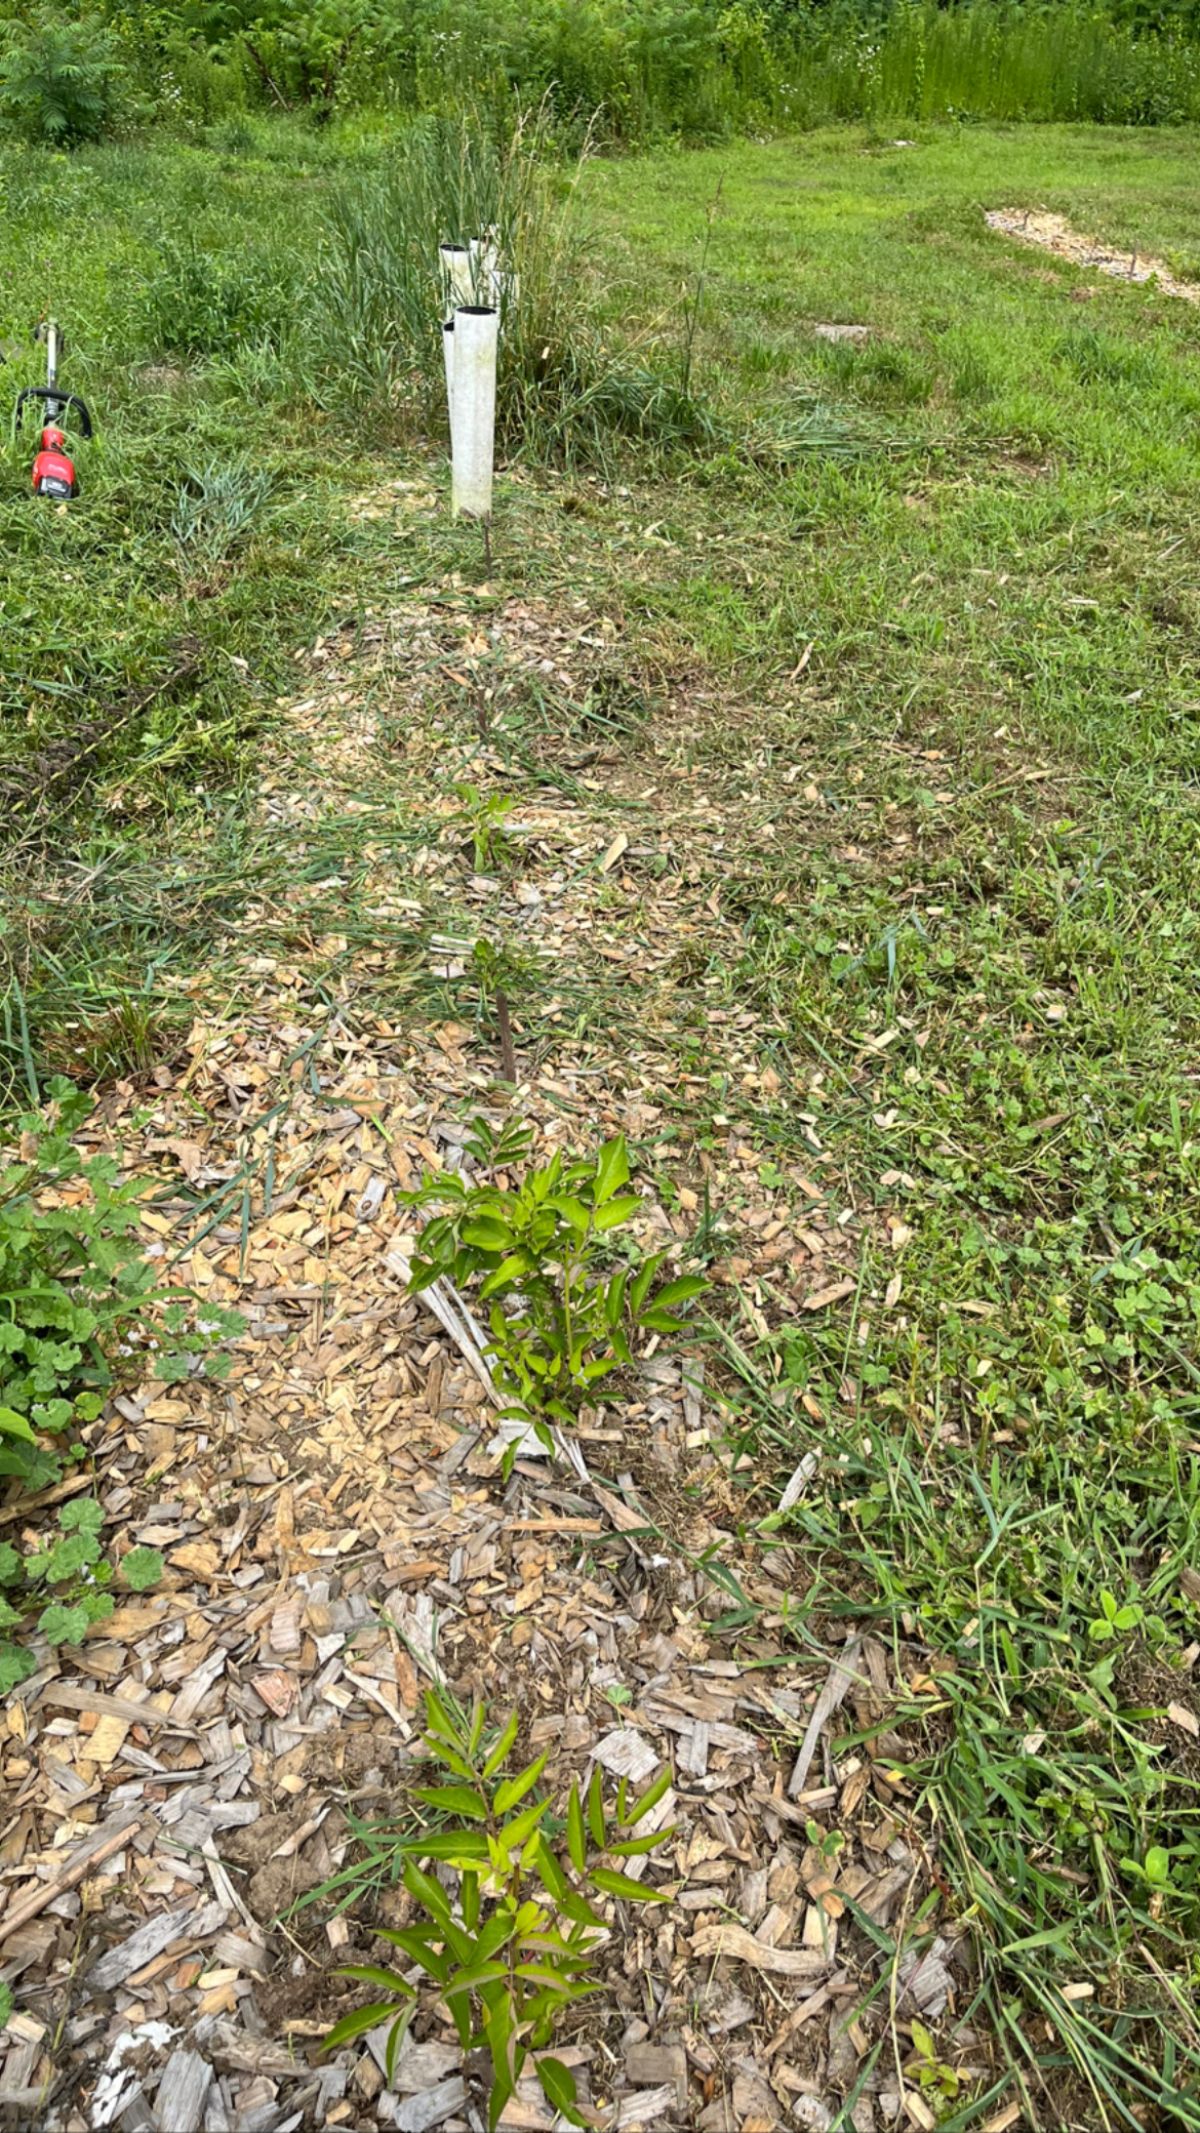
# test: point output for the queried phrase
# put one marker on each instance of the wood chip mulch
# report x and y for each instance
(336, 1533)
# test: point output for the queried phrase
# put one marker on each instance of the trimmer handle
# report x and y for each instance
(54, 402)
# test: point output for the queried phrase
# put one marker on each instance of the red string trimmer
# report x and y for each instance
(53, 469)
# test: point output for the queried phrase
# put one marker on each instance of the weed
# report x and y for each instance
(509, 1946)
(81, 1312)
(218, 504)
(60, 1586)
(558, 1324)
(195, 305)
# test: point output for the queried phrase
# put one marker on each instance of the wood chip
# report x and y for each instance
(624, 1753)
(839, 1681)
(67, 1697)
(742, 1947)
(188, 1921)
(430, 2106)
(182, 2093)
(89, 1855)
(277, 1690)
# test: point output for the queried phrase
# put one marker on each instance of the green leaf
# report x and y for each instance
(496, 1934)
(141, 1568)
(354, 2025)
(469, 1891)
(64, 1625)
(550, 1872)
(639, 1287)
(439, 1720)
(595, 1810)
(452, 1844)
(454, 1800)
(83, 1515)
(614, 1884)
(429, 1893)
(471, 1979)
(678, 1292)
(1158, 1866)
(516, 1833)
(410, 1940)
(510, 1269)
(559, 2089)
(503, 1747)
(487, 1233)
(573, 1212)
(612, 1169)
(396, 2036)
(371, 1974)
(515, 1788)
(14, 1425)
(652, 1795)
(16, 1665)
(617, 1211)
(576, 1833)
(632, 1847)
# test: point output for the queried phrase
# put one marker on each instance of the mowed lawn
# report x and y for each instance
(960, 664)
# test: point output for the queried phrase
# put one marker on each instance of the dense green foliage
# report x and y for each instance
(58, 81)
(629, 68)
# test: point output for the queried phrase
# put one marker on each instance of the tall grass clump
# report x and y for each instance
(563, 389)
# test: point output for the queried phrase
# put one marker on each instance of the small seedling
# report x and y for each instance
(508, 1932)
(482, 816)
(938, 2082)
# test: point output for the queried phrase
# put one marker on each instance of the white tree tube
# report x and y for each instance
(457, 282)
(473, 430)
(485, 268)
(448, 354)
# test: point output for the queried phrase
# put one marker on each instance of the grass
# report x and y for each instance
(940, 665)
(977, 935)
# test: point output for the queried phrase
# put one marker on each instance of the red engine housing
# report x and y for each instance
(53, 471)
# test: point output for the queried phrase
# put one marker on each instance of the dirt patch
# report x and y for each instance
(1054, 234)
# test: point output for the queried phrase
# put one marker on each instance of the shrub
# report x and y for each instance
(59, 80)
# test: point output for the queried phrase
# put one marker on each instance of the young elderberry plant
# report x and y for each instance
(537, 1255)
(507, 1931)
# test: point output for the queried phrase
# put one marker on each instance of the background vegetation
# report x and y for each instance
(633, 68)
